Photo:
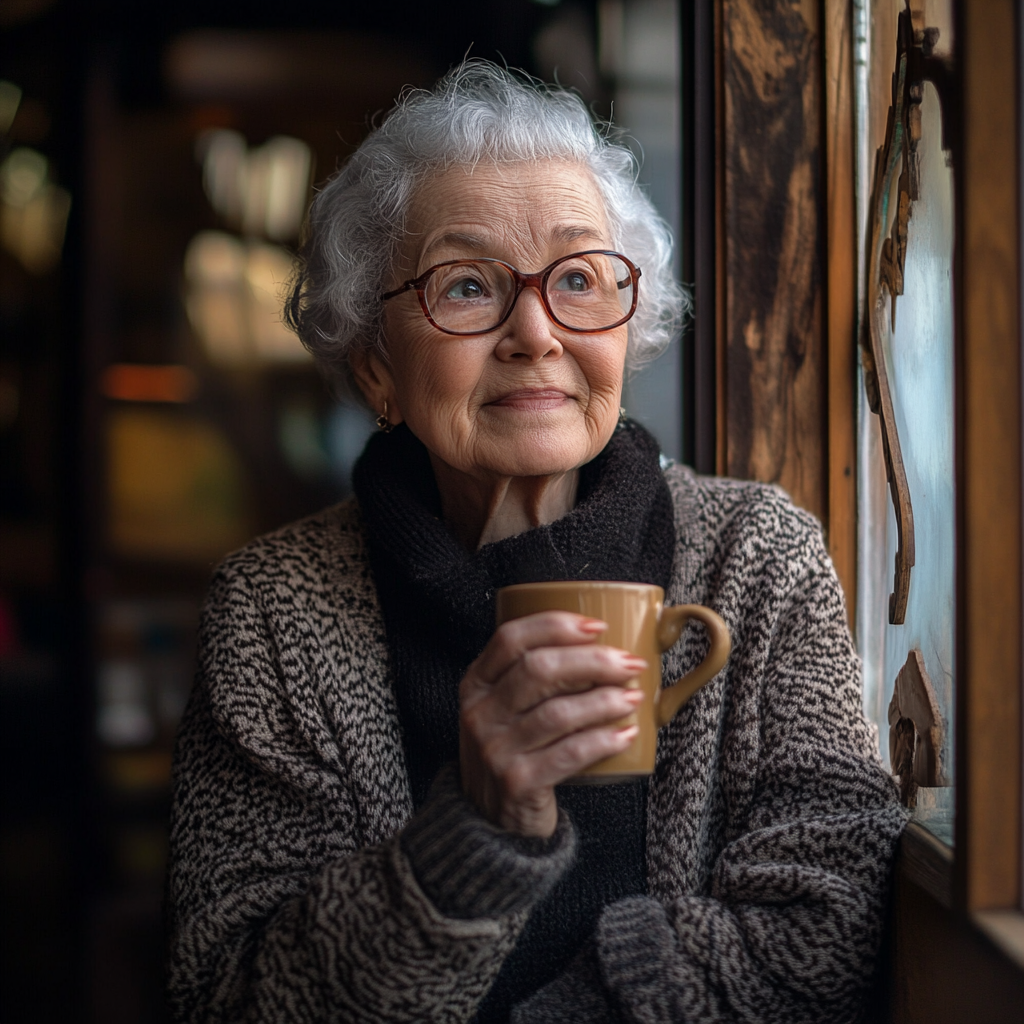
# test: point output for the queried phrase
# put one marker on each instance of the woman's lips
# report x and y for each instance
(532, 399)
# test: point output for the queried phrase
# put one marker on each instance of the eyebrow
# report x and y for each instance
(482, 246)
(572, 232)
(460, 239)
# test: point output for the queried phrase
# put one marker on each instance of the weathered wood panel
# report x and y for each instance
(989, 563)
(842, 296)
(775, 424)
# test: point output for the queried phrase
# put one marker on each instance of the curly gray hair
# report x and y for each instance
(477, 112)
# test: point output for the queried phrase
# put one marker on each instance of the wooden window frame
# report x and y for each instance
(965, 901)
(982, 876)
(988, 851)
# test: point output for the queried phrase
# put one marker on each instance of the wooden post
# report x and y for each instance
(773, 423)
(841, 295)
(989, 568)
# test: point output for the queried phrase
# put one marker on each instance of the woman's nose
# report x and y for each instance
(528, 334)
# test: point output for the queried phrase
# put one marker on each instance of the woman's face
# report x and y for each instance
(529, 398)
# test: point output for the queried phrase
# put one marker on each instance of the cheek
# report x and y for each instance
(434, 379)
(604, 367)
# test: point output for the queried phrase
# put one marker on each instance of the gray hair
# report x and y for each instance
(477, 112)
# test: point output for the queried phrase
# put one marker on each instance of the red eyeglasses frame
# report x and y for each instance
(538, 281)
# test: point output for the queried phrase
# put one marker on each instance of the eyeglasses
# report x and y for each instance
(586, 292)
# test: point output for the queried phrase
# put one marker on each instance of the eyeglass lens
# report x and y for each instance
(590, 292)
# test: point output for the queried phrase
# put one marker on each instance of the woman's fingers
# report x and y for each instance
(543, 702)
(547, 672)
(589, 720)
(540, 770)
(558, 717)
(513, 639)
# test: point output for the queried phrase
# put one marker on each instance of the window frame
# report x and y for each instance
(987, 856)
(975, 890)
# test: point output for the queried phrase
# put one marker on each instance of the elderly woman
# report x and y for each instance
(368, 820)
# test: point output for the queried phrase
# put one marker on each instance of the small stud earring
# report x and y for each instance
(383, 422)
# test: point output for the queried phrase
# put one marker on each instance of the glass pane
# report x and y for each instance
(639, 50)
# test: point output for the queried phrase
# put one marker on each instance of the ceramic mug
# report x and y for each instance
(638, 622)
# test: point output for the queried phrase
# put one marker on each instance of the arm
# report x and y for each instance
(275, 913)
(791, 927)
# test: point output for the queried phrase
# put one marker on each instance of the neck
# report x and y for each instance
(483, 511)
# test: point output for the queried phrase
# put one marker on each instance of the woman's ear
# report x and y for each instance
(373, 375)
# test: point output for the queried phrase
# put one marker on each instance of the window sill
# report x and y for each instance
(1005, 928)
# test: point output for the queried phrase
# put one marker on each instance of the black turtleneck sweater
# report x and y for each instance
(438, 602)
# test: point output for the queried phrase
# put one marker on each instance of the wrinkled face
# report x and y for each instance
(529, 398)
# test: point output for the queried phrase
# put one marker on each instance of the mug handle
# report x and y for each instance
(670, 628)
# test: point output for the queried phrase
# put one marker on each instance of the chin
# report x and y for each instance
(545, 454)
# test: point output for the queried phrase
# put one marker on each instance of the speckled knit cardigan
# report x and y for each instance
(302, 888)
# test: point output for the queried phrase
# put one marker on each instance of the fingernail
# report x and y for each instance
(628, 733)
(634, 696)
(631, 661)
(593, 626)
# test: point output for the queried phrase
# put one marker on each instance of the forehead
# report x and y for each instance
(529, 206)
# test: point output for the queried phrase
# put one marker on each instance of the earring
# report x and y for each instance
(622, 414)
(382, 420)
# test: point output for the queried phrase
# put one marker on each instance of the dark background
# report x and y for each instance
(89, 625)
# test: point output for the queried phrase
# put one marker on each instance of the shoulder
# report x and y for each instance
(291, 645)
(744, 549)
(719, 514)
(309, 581)
(323, 551)
(332, 537)
(291, 667)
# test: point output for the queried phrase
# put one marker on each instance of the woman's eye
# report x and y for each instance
(467, 288)
(574, 281)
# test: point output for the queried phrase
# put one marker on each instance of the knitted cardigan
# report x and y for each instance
(302, 888)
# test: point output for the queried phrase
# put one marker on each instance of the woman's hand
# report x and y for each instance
(538, 706)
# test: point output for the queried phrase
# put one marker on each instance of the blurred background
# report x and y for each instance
(156, 162)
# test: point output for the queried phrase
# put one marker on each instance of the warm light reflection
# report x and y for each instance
(133, 383)
(267, 272)
(33, 211)
(234, 298)
(260, 191)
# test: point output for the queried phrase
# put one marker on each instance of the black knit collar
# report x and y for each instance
(620, 528)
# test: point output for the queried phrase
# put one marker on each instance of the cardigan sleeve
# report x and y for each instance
(790, 930)
(275, 914)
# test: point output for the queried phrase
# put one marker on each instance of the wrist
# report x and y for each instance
(534, 817)
(535, 822)
(469, 867)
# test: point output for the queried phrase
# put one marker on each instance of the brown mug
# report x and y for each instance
(638, 622)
